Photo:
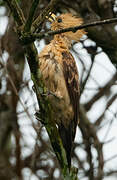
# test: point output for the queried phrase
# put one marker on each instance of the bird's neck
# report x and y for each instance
(61, 41)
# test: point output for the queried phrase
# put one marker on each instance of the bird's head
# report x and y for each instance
(65, 21)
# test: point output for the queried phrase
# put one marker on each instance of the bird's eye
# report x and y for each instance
(59, 20)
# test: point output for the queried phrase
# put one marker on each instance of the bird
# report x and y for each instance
(61, 78)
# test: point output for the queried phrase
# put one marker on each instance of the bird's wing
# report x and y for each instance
(72, 83)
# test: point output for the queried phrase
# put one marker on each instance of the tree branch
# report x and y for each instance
(31, 37)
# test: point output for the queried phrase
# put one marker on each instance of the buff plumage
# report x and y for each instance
(60, 76)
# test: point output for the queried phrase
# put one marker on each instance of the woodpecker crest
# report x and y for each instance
(65, 21)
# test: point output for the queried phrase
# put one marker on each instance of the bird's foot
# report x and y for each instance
(73, 173)
(56, 94)
(38, 117)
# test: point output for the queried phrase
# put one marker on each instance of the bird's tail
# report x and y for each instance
(66, 136)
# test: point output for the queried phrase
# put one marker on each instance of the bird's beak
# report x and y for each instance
(52, 17)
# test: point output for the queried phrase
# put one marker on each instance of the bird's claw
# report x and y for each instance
(37, 115)
(50, 93)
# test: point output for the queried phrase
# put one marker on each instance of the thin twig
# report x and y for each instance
(15, 90)
(88, 75)
(102, 91)
(40, 19)
(16, 11)
(85, 126)
(109, 103)
(31, 15)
